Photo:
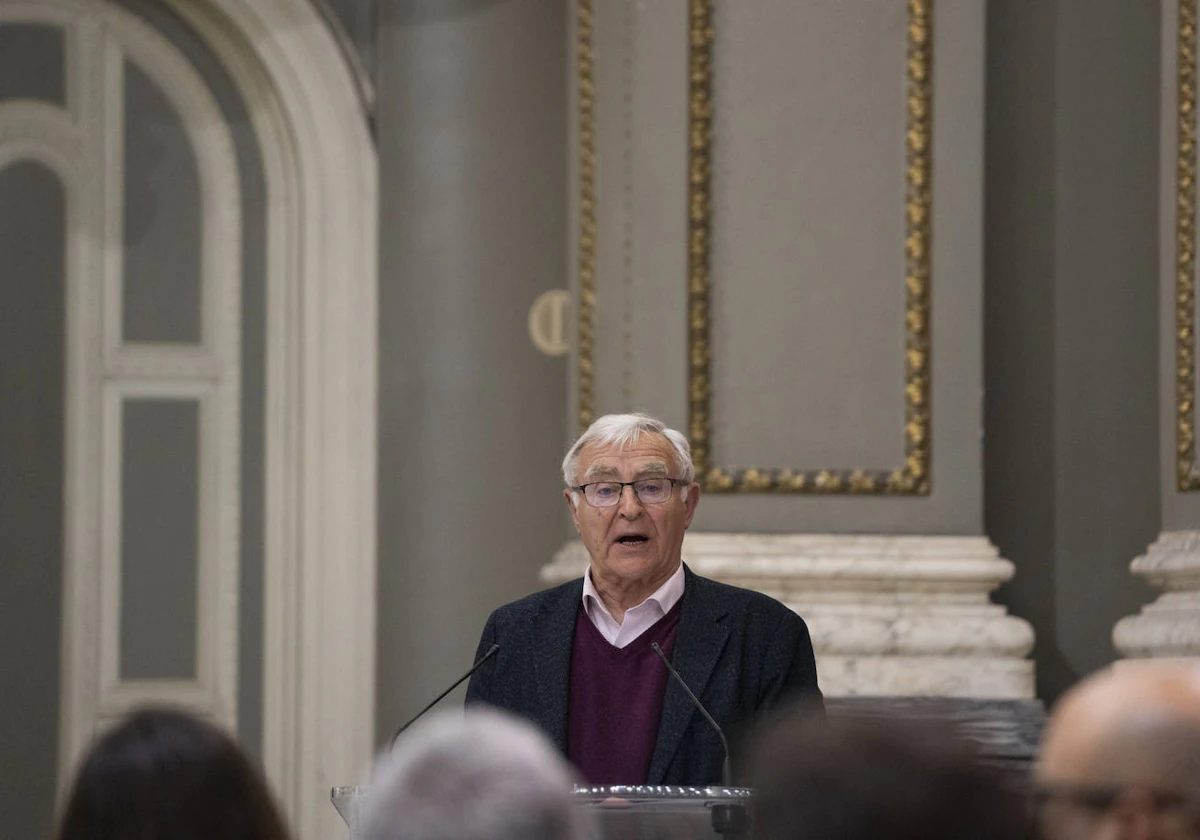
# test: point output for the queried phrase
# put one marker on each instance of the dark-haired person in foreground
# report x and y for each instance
(578, 659)
(165, 775)
(876, 780)
(1120, 759)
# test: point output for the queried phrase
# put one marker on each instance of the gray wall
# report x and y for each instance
(472, 145)
(359, 20)
(32, 383)
(33, 213)
(1071, 417)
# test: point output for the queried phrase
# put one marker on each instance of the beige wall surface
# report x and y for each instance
(807, 319)
(808, 234)
(641, 128)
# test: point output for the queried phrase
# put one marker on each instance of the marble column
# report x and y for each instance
(1170, 626)
(471, 127)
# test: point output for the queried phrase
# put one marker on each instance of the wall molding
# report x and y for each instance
(913, 477)
(213, 690)
(1187, 470)
(321, 174)
(215, 386)
(37, 130)
(59, 140)
(82, 144)
(586, 257)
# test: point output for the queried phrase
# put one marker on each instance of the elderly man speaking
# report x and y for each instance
(579, 660)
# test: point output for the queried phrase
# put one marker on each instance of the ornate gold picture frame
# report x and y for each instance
(1186, 469)
(586, 113)
(913, 478)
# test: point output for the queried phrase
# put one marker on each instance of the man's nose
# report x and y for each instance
(630, 507)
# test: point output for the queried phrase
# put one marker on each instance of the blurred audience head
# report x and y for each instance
(478, 775)
(162, 774)
(1121, 756)
(856, 779)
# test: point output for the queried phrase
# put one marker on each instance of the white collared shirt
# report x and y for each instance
(638, 619)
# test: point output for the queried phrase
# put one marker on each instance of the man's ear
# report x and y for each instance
(689, 504)
(572, 497)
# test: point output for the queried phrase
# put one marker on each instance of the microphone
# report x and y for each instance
(491, 652)
(726, 766)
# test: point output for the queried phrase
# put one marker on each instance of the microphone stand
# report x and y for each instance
(437, 699)
(728, 820)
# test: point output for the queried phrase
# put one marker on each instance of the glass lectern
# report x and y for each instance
(624, 812)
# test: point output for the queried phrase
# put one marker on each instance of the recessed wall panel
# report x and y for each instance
(159, 556)
(33, 62)
(253, 375)
(32, 322)
(161, 282)
(807, 234)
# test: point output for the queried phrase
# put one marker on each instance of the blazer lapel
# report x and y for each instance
(554, 634)
(698, 644)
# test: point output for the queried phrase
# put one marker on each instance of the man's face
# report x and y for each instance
(632, 545)
(1065, 820)
(1084, 798)
(1132, 815)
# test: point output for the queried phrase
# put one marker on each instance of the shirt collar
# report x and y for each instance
(666, 596)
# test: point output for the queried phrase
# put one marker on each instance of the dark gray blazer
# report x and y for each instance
(740, 651)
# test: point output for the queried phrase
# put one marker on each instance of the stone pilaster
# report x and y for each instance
(889, 615)
(1169, 627)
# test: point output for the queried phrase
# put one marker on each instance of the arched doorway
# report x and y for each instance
(159, 466)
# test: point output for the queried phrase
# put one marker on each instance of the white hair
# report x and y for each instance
(478, 775)
(624, 430)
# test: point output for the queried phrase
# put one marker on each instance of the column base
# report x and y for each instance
(1004, 733)
(990, 677)
(904, 616)
(1169, 628)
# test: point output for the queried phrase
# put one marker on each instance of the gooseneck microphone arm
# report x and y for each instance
(726, 766)
(491, 652)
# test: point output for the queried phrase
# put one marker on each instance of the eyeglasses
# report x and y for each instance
(649, 491)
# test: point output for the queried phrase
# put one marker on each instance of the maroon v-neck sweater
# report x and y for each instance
(616, 700)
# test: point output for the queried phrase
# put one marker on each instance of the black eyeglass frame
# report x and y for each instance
(582, 488)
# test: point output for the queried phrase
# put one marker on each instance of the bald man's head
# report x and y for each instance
(1134, 724)
(1133, 729)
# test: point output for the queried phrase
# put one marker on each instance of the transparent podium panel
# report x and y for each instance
(624, 812)
(350, 802)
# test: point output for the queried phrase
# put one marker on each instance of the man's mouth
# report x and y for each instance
(632, 540)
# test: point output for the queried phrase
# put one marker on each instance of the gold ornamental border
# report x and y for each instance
(584, 21)
(914, 477)
(1187, 472)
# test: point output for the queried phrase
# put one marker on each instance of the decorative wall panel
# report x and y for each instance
(907, 400)
(913, 476)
